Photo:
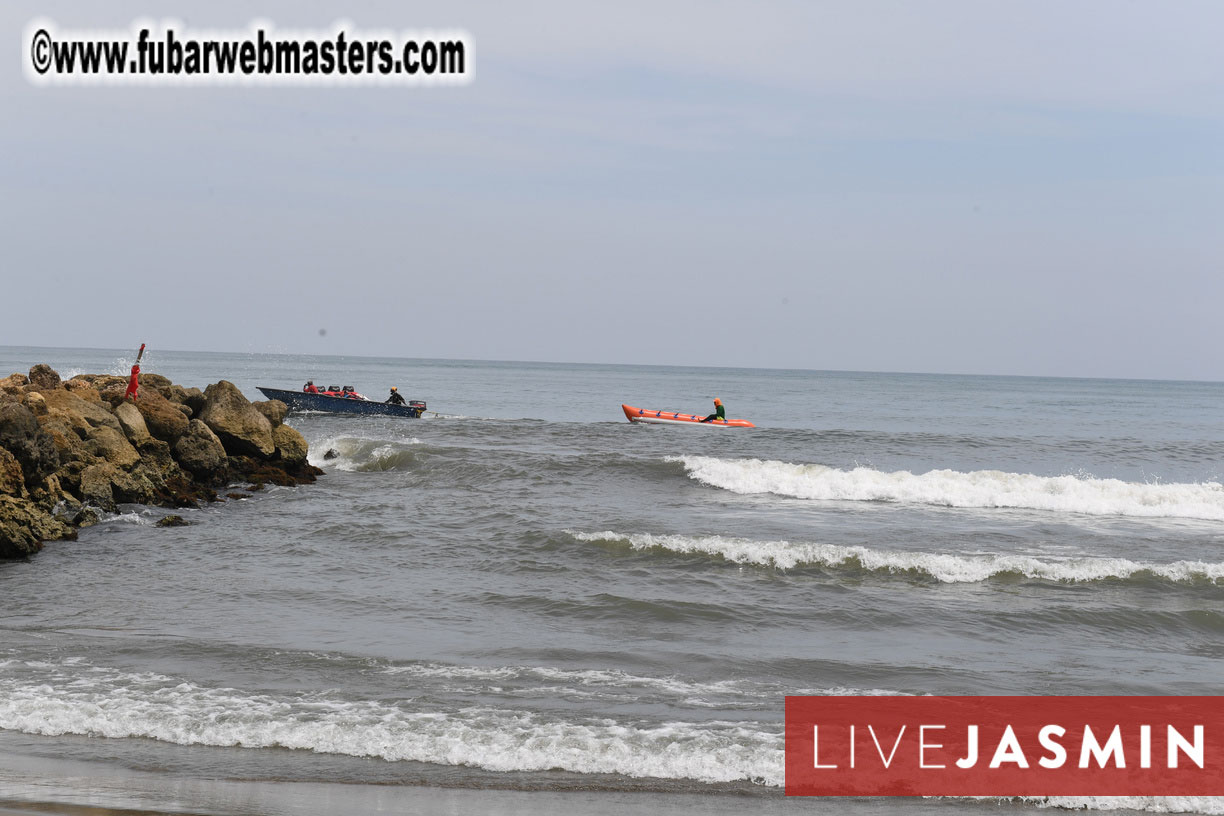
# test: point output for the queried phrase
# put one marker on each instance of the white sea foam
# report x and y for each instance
(944, 567)
(357, 453)
(1152, 804)
(72, 697)
(126, 518)
(950, 488)
(572, 682)
(116, 704)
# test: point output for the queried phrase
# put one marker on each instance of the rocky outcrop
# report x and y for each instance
(71, 449)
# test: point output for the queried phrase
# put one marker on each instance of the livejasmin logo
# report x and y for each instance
(1010, 750)
(1004, 746)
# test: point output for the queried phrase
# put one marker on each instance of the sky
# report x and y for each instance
(957, 186)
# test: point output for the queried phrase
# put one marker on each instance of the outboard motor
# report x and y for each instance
(418, 406)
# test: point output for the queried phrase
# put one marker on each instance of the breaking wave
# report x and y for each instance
(949, 488)
(353, 453)
(945, 568)
(72, 697)
(115, 704)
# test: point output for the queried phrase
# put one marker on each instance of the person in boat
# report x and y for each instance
(395, 398)
(310, 387)
(719, 412)
(350, 393)
(333, 391)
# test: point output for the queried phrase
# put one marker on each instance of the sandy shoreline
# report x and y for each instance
(39, 785)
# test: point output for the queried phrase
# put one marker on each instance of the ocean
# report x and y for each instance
(522, 603)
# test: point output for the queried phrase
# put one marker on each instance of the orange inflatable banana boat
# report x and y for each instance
(673, 418)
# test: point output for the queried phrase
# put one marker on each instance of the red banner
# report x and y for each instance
(1005, 746)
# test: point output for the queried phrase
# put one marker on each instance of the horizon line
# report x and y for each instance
(651, 365)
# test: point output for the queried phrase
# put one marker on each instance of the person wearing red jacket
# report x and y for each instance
(133, 384)
(310, 387)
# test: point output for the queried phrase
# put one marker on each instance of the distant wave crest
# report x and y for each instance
(950, 488)
(610, 685)
(945, 568)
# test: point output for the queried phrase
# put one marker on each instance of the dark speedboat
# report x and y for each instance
(303, 401)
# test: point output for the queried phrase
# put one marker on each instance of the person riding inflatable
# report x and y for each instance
(719, 412)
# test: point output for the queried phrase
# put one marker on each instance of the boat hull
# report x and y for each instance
(303, 401)
(653, 417)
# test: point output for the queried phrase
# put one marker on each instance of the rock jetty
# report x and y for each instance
(72, 449)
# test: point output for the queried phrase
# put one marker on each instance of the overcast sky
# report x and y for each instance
(978, 187)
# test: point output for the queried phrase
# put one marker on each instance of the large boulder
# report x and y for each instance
(200, 451)
(97, 485)
(290, 445)
(79, 414)
(162, 417)
(103, 485)
(21, 434)
(141, 486)
(44, 376)
(273, 410)
(240, 427)
(132, 423)
(111, 446)
(68, 443)
(156, 455)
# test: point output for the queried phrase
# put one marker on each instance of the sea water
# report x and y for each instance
(523, 591)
